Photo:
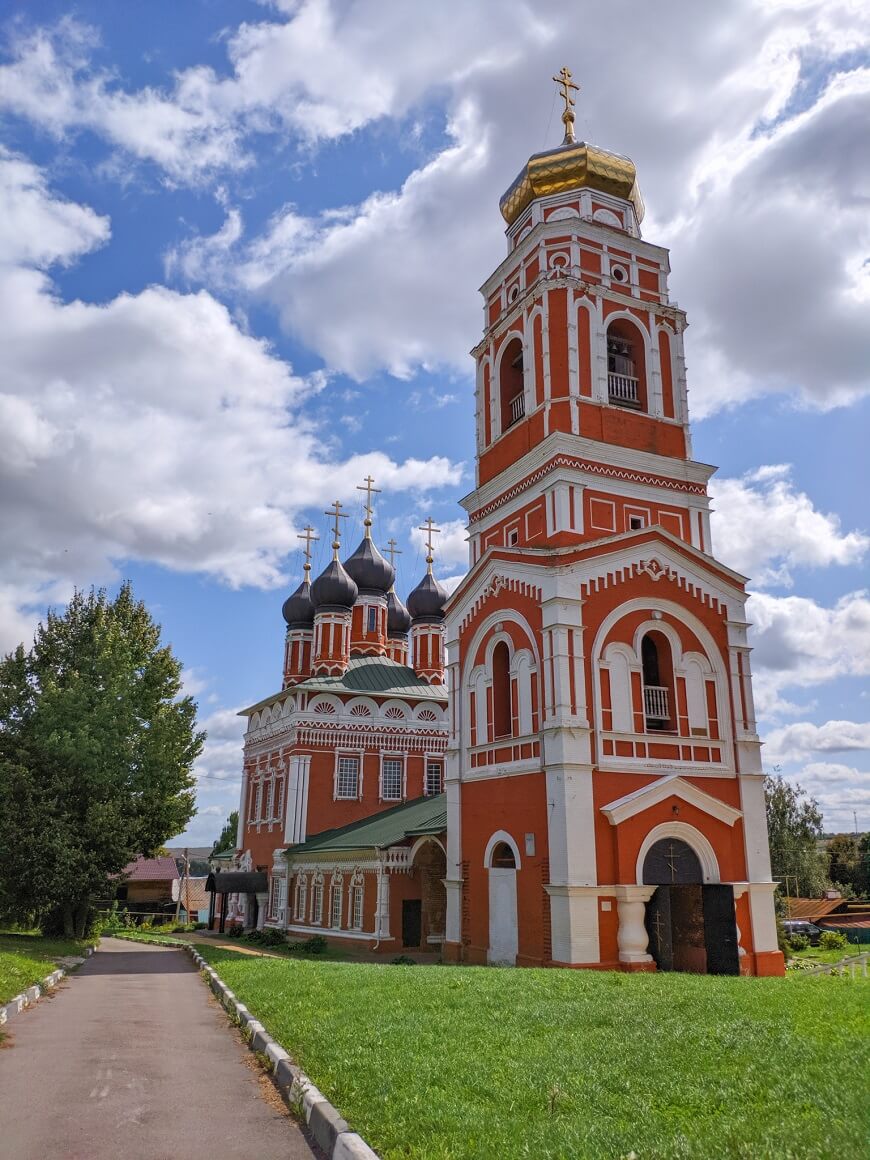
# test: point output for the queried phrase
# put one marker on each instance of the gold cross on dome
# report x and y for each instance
(369, 490)
(307, 534)
(430, 530)
(337, 514)
(565, 81)
(392, 551)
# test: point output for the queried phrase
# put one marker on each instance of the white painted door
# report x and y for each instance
(502, 916)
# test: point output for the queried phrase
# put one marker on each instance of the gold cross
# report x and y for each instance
(671, 858)
(566, 83)
(368, 489)
(392, 551)
(337, 514)
(429, 528)
(658, 926)
(307, 534)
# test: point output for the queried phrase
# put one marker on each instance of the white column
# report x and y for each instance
(382, 907)
(574, 924)
(243, 801)
(631, 937)
(740, 889)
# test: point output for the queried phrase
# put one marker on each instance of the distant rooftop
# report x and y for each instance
(151, 870)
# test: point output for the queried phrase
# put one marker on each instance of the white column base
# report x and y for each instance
(574, 923)
(631, 937)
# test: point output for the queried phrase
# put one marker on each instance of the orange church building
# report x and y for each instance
(603, 800)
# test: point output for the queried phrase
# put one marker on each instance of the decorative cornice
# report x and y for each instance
(600, 469)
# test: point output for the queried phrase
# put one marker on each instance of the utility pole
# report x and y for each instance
(185, 875)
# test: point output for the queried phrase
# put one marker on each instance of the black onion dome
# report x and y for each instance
(298, 609)
(333, 588)
(398, 617)
(427, 600)
(369, 570)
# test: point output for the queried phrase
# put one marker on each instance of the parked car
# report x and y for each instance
(800, 926)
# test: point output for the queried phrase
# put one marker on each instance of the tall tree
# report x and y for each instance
(226, 840)
(794, 826)
(96, 751)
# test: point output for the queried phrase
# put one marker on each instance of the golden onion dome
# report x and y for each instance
(572, 165)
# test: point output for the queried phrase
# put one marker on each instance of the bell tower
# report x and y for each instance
(602, 728)
(580, 382)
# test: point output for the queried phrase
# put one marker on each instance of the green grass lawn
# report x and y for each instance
(448, 1062)
(26, 959)
(817, 955)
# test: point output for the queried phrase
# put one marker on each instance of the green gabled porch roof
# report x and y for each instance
(414, 819)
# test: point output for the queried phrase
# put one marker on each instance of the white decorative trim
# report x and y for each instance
(685, 833)
(500, 836)
(651, 795)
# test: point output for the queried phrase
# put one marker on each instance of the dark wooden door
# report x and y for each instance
(658, 926)
(720, 930)
(687, 929)
(412, 919)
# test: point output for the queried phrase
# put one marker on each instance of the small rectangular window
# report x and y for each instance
(434, 778)
(513, 537)
(391, 779)
(373, 619)
(348, 778)
(635, 522)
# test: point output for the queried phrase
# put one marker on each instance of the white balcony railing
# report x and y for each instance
(622, 388)
(655, 703)
(518, 409)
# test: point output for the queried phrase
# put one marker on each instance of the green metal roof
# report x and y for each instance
(414, 819)
(373, 675)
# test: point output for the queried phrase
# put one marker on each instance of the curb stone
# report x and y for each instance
(326, 1124)
(28, 997)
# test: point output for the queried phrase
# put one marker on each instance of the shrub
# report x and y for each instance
(832, 940)
(273, 938)
(798, 942)
(315, 945)
(402, 961)
(235, 930)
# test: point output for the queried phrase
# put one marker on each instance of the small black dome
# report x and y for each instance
(298, 609)
(369, 570)
(333, 588)
(398, 617)
(427, 600)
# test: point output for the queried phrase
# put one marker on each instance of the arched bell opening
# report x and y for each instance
(511, 385)
(501, 691)
(659, 707)
(626, 365)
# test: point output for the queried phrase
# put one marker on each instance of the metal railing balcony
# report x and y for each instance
(623, 388)
(517, 409)
(655, 703)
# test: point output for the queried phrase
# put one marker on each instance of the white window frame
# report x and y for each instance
(278, 808)
(270, 797)
(357, 794)
(336, 889)
(258, 800)
(400, 758)
(301, 897)
(371, 629)
(356, 903)
(439, 761)
(317, 902)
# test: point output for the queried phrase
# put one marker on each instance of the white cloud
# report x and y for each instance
(842, 791)
(763, 527)
(799, 643)
(148, 427)
(797, 741)
(451, 543)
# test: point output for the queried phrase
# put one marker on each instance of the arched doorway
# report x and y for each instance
(690, 923)
(503, 934)
(424, 918)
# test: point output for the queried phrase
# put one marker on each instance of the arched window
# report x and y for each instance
(501, 690)
(502, 857)
(658, 682)
(511, 397)
(626, 365)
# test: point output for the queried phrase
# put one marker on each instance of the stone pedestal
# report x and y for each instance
(631, 936)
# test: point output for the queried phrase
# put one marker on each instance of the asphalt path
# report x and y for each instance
(133, 1059)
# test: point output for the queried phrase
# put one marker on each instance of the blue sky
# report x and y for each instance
(239, 270)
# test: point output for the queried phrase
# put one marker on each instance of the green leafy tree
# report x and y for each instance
(794, 826)
(844, 866)
(96, 751)
(227, 838)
